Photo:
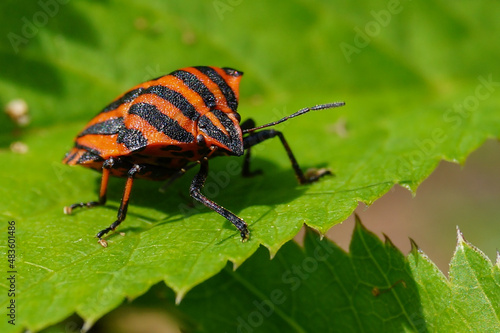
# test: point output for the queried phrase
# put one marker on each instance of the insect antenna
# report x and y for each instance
(298, 113)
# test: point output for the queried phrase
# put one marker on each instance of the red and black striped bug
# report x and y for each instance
(163, 127)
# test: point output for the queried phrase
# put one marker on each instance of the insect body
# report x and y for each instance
(163, 127)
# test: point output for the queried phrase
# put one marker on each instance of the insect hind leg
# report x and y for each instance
(106, 167)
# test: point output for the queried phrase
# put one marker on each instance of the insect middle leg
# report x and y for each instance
(257, 137)
(195, 191)
(106, 167)
(122, 211)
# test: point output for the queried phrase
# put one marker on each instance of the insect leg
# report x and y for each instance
(258, 137)
(195, 191)
(247, 124)
(107, 165)
(122, 211)
(245, 172)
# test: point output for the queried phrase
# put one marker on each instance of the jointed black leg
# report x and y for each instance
(247, 124)
(245, 172)
(195, 191)
(122, 211)
(107, 165)
(258, 137)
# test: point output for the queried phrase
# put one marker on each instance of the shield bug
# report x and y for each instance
(159, 129)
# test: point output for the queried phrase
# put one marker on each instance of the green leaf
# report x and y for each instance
(321, 288)
(318, 288)
(470, 300)
(414, 97)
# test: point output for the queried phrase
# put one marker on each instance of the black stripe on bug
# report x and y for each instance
(232, 141)
(126, 98)
(193, 83)
(176, 99)
(161, 122)
(89, 157)
(92, 150)
(228, 93)
(132, 138)
(107, 127)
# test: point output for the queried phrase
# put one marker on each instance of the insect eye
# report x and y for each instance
(238, 117)
(200, 140)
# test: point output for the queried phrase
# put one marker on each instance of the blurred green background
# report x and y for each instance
(68, 59)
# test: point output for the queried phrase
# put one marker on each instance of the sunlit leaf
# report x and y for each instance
(416, 91)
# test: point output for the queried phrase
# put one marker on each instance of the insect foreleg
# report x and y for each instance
(257, 137)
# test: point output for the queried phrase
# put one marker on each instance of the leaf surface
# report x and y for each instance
(321, 288)
(414, 97)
